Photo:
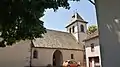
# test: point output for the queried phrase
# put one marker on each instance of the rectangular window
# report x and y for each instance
(72, 56)
(92, 47)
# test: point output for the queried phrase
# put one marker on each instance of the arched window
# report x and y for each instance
(70, 30)
(72, 56)
(92, 47)
(73, 29)
(35, 54)
(82, 28)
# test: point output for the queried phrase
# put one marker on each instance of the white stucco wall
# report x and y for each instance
(75, 34)
(16, 55)
(95, 41)
(46, 55)
(85, 26)
(96, 50)
(78, 55)
(80, 35)
(93, 54)
(107, 12)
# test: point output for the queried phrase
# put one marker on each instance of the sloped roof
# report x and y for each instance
(76, 17)
(92, 35)
(57, 39)
(79, 17)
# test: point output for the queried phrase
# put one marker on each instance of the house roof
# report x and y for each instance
(76, 17)
(57, 39)
(92, 35)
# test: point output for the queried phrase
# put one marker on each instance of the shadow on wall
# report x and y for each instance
(112, 31)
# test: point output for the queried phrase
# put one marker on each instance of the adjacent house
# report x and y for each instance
(92, 50)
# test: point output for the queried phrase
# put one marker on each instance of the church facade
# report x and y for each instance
(54, 48)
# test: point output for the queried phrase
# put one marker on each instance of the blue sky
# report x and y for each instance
(58, 20)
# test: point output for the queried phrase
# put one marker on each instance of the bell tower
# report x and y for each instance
(77, 27)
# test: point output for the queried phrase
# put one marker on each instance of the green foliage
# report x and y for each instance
(19, 19)
(92, 29)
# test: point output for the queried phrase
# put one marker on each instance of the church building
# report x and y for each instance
(54, 48)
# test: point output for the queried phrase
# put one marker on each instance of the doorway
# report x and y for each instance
(57, 58)
(94, 61)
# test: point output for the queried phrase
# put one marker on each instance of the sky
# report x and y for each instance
(58, 20)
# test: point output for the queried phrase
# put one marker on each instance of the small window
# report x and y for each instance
(70, 30)
(35, 54)
(92, 47)
(82, 28)
(84, 57)
(72, 56)
(73, 29)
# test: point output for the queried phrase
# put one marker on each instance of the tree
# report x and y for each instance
(92, 29)
(19, 19)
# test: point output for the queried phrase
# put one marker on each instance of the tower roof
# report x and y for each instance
(76, 17)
